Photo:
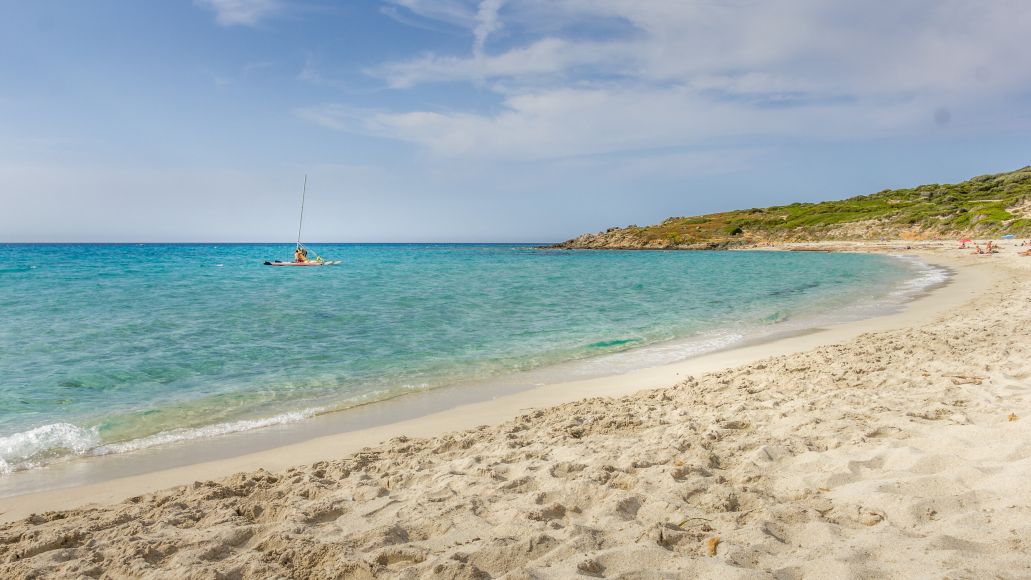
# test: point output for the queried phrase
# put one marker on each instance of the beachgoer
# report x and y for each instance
(978, 249)
(300, 255)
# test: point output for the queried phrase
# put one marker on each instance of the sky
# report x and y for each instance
(491, 120)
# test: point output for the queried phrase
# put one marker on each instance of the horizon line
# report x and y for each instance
(258, 242)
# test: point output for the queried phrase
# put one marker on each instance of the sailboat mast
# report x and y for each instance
(301, 221)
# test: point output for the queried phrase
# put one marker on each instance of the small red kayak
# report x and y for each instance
(311, 263)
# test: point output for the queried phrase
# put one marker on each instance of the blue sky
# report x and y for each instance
(492, 120)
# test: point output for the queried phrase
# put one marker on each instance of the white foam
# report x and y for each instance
(39, 446)
(654, 354)
(178, 435)
(927, 276)
(28, 448)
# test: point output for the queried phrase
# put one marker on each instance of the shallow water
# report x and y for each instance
(110, 348)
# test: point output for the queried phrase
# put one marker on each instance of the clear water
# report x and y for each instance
(108, 348)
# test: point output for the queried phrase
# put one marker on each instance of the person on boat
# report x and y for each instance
(300, 255)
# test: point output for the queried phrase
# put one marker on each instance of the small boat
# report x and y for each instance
(300, 249)
(308, 263)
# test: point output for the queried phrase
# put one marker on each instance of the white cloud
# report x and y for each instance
(544, 57)
(487, 22)
(674, 74)
(225, 80)
(572, 122)
(452, 12)
(921, 44)
(310, 73)
(241, 12)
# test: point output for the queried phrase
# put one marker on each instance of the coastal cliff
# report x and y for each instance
(984, 206)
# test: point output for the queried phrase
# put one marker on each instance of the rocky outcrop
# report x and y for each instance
(630, 239)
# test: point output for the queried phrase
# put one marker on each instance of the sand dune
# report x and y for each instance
(896, 454)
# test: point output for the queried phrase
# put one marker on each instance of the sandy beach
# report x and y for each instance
(892, 447)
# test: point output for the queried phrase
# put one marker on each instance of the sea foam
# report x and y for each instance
(34, 447)
(42, 445)
(178, 435)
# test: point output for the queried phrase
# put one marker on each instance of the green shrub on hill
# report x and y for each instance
(986, 205)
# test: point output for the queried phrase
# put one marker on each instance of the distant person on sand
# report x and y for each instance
(978, 250)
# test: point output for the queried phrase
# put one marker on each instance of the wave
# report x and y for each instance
(5, 269)
(41, 445)
(658, 353)
(613, 342)
(37, 446)
(928, 276)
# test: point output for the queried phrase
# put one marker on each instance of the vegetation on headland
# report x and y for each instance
(985, 206)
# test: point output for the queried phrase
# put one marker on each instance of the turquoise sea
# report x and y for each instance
(110, 348)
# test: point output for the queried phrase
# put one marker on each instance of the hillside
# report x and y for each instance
(985, 206)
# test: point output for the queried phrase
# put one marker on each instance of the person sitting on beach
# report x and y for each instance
(978, 249)
(300, 255)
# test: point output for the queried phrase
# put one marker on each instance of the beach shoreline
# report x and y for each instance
(113, 478)
(199, 354)
(892, 447)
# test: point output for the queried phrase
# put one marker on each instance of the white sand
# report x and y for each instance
(891, 453)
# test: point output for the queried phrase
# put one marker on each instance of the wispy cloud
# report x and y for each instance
(690, 72)
(545, 57)
(487, 22)
(225, 80)
(926, 44)
(570, 122)
(241, 12)
(310, 73)
(452, 12)
(480, 18)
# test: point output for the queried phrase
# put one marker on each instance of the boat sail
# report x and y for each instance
(300, 251)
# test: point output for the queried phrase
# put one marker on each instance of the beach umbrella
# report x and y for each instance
(965, 240)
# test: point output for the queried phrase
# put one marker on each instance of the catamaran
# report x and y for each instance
(300, 251)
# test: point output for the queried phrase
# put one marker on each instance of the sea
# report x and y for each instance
(114, 348)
